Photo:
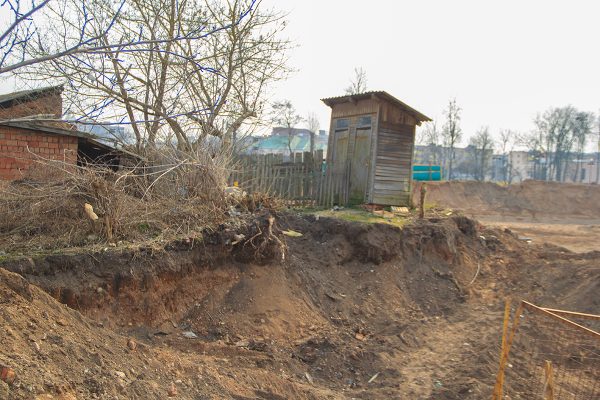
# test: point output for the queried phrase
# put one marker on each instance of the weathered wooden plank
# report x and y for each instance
(392, 171)
(394, 191)
(392, 174)
(391, 180)
(391, 200)
(389, 192)
(393, 159)
(390, 168)
(387, 125)
(387, 136)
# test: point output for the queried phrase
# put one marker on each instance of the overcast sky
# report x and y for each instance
(503, 61)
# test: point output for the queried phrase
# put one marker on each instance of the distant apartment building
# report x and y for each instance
(111, 134)
(513, 167)
(283, 140)
(583, 170)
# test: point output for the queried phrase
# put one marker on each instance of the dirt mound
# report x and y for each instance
(530, 198)
(353, 311)
(55, 350)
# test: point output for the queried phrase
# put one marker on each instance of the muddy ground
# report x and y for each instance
(350, 311)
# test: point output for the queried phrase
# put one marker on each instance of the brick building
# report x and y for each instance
(46, 102)
(25, 141)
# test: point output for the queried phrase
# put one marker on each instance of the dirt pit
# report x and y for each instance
(562, 214)
(351, 311)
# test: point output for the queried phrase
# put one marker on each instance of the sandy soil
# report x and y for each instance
(578, 235)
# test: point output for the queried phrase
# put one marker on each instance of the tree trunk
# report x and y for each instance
(598, 166)
(481, 167)
(451, 158)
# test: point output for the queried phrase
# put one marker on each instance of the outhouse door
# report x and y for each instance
(359, 165)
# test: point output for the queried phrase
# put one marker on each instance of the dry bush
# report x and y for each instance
(168, 196)
(258, 200)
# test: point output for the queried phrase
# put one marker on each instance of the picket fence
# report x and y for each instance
(303, 180)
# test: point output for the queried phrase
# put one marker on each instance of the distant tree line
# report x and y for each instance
(560, 134)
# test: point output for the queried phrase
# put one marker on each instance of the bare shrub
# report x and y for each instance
(167, 196)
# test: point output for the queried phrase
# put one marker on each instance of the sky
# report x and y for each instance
(503, 61)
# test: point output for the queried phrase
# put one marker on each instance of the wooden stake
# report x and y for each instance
(507, 341)
(500, 377)
(548, 381)
(422, 203)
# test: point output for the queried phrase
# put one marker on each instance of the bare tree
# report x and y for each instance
(20, 31)
(358, 83)
(598, 150)
(583, 125)
(27, 28)
(451, 132)
(176, 71)
(483, 146)
(506, 143)
(285, 115)
(431, 136)
(558, 131)
(313, 127)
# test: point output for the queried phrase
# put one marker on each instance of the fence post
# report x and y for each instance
(548, 381)
(301, 179)
(507, 341)
(500, 378)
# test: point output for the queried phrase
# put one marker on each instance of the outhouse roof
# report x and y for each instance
(331, 101)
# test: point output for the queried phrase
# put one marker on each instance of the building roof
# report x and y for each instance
(36, 126)
(91, 140)
(7, 99)
(277, 144)
(331, 101)
(282, 130)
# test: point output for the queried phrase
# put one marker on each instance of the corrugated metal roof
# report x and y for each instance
(330, 101)
(28, 94)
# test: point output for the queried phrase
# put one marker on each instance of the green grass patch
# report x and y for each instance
(365, 217)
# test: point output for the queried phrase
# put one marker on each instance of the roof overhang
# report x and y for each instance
(92, 140)
(8, 99)
(376, 95)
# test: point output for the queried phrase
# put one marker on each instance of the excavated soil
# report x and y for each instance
(563, 214)
(530, 198)
(347, 311)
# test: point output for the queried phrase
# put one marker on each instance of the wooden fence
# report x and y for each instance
(304, 180)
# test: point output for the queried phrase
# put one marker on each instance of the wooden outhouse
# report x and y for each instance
(371, 141)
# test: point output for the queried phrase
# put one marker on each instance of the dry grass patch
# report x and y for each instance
(159, 200)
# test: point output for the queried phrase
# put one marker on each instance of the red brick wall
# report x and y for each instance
(50, 103)
(20, 147)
